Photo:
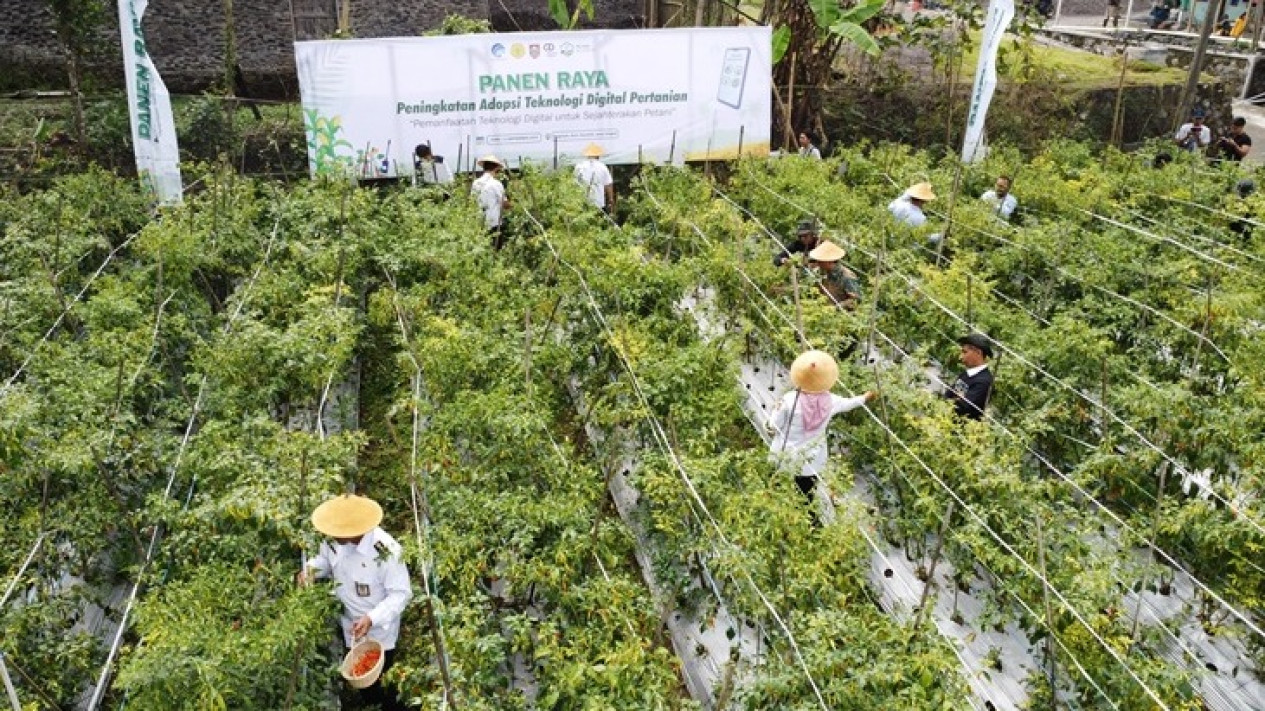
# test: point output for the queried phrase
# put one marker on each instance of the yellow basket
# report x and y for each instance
(353, 657)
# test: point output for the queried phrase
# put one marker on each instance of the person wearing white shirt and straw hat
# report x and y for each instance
(490, 194)
(371, 580)
(908, 207)
(593, 175)
(801, 418)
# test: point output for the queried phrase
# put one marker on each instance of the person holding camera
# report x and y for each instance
(1194, 135)
(1236, 144)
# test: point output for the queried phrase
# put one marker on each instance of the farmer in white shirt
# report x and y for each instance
(1194, 136)
(370, 578)
(999, 197)
(800, 420)
(908, 207)
(807, 148)
(595, 177)
(490, 194)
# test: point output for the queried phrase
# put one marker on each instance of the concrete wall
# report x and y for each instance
(186, 37)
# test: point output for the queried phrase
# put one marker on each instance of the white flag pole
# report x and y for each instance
(1000, 13)
(149, 106)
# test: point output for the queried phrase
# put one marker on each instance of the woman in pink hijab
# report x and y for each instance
(800, 420)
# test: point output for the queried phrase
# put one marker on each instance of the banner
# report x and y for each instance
(1000, 13)
(153, 128)
(653, 95)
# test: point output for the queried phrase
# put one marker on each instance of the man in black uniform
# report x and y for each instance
(970, 392)
(805, 240)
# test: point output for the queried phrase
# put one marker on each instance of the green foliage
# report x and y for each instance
(565, 17)
(228, 637)
(234, 311)
(456, 24)
(781, 41)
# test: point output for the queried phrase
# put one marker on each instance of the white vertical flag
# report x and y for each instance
(149, 105)
(1000, 13)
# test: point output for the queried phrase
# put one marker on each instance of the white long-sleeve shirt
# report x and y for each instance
(1004, 207)
(371, 580)
(490, 194)
(905, 211)
(803, 452)
(594, 176)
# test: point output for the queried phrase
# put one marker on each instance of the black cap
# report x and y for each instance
(978, 340)
(806, 225)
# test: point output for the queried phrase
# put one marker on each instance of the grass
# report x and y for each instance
(1071, 68)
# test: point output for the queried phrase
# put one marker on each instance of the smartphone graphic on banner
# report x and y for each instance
(733, 76)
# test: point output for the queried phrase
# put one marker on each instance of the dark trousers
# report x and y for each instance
(379, 696)
(808, 487)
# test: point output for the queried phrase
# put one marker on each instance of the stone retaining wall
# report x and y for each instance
(1236, 69)
(186, 37)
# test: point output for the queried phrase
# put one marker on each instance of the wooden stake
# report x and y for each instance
(970, 300)
(1155, 528)
(935, 559)
(1196, 63)
(1117, 113)
(1049, 615)
(1203, 332)
(1102, 399)
(799, 312)
(789, 138)
(948, 227)
(527, 350)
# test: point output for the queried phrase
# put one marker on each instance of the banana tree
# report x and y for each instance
(807, 37)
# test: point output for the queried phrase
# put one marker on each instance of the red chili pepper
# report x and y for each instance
(366, 663)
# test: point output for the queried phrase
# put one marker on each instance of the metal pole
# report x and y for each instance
(8, 685)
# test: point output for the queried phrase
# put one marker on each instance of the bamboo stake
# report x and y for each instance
(1196, 63)
(970, 299)
(789, 138)
(948, 228)
(8, 685)
(1155, 527)
(1102, 400)
(1117, 113)
(799, 312)
(527, 350)
(1203, 332)
(935, 560)
(1049, 615)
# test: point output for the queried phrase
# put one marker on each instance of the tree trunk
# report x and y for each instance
(73, 76)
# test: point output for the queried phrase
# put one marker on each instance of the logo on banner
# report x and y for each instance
(517, 50)
(550, 50)
(567, 49)
(498, 50)
(534, 50)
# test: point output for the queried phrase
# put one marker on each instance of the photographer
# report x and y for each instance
(1194, 136)
(1236, 144)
